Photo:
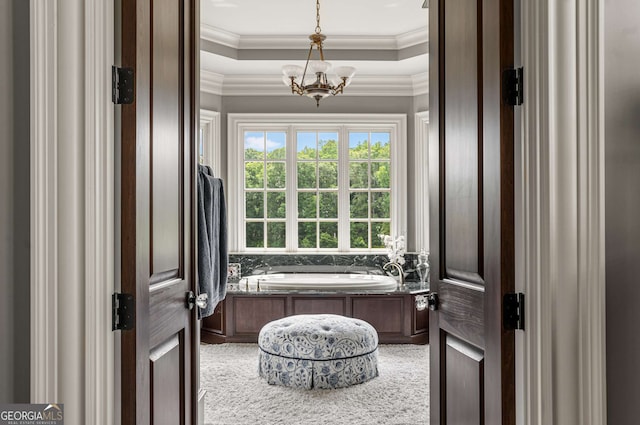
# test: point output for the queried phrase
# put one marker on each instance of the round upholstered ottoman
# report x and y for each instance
(318, 351)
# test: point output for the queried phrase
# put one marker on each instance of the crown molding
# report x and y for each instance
(211, 82)
(346, 42)
(372, 42)
(420, 83)
(220, 36)
(369, 85)
(412, 38)
(271, 85)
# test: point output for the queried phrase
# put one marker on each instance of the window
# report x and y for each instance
(265, 187)
(315, 183)
(317, 189)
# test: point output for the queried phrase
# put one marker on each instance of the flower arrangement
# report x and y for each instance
(395, 248)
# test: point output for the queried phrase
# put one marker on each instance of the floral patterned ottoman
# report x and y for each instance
(318, 351)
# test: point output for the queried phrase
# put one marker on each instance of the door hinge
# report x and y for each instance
(122, 85)
(123, 312)
(513, 86)
(513, 311)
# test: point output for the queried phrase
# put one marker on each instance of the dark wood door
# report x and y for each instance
(472, 221)
(159, 357)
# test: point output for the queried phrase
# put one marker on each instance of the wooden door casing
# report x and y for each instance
(471, 212)
(158, 359)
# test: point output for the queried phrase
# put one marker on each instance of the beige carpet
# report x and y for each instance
(236, 395)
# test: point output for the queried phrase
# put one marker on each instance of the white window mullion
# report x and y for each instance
(369, 196)
(235, 190)
(264, 199)
(399, 179)
(343, 190)
(292, 193)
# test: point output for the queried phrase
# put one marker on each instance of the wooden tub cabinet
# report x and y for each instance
(400, 317)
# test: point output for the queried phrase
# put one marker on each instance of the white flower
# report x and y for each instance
(395, 248)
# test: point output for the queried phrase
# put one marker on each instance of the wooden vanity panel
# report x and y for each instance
(213, 327)
(315, 305)
(419, 324)
(420, 320)
(243, 315)
(386, 314)
(250, 314)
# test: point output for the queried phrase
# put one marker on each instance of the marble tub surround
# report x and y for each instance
(395, 312)
(331, 263)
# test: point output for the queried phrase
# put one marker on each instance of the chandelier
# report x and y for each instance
(312, 80)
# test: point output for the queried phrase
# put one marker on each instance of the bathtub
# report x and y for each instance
(319, 282)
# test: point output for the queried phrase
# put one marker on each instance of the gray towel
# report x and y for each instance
(213, 257)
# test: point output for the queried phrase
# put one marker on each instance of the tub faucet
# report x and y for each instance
(398, 267)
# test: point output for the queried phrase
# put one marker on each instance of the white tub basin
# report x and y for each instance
(320, 281)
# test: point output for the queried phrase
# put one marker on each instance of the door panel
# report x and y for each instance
(167, 376)
(471, 212)
(464, 382)
(159, 361)
(167, 140)
(461, 311)
(462, 127)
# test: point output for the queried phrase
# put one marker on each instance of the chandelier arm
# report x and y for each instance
(306, 65)
(295, 88)
(340, 87)
(321, 52)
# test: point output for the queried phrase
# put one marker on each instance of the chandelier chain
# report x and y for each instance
(318, 30)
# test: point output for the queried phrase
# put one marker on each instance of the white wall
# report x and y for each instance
(622, 153)
(14, 201)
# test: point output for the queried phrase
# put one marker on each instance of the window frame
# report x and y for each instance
(209, 149)
(239, 123)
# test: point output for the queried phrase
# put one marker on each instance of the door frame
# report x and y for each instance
(557, 180)
(560, 201)
(72, 207)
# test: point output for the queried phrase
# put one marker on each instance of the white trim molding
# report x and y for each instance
(212, 150)
(591, 210)
(271, 85)
(421, 159)
(99, 212)
(219, 36)
(44, 201)
(72, 208)
(211, 82)
(420, 83)
(562, 199)
(300, 41)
